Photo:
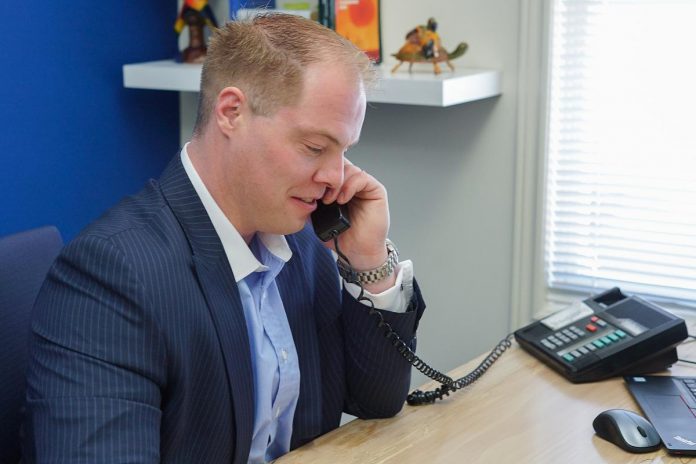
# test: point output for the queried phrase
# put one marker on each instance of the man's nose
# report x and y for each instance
(330, 172)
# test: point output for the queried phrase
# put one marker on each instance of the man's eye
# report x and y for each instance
(315, 150)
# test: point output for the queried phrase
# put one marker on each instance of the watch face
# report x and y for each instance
(391, 248)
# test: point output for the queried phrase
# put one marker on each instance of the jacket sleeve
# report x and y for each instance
(377, 375)
(97, 362)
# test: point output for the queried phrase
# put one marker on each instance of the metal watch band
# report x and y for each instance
(373, 275)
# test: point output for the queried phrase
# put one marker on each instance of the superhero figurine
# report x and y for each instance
(196, 14)
(429, 39)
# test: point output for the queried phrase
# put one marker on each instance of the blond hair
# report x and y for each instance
(266, 57)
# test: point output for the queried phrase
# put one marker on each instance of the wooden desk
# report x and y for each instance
(520, 411)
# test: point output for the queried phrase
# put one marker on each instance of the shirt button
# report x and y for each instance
(284, 355)
(277, 413)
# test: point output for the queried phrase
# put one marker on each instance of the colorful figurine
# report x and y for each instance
(195, 14)
(423, 46)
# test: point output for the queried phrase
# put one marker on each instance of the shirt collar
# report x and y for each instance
(242, 260)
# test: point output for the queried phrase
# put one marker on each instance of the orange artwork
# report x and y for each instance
(358, 21)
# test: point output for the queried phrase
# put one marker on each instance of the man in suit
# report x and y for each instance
(202, 320)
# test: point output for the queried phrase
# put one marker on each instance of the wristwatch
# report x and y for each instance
(373, 275)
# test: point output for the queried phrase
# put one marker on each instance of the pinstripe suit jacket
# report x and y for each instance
(140, 350)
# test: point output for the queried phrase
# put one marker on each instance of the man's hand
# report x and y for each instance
(364, 243)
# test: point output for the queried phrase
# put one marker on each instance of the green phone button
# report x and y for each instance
(620, 333)
(568, 357)
(606, 340)
(598, 343)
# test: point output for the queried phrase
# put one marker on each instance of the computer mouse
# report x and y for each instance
(628, 430)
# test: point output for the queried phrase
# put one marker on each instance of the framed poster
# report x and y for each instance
(359, 22)
(356, 20)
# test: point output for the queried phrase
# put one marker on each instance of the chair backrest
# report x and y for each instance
(24, 261)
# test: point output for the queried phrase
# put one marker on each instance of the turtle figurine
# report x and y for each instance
(423, 46)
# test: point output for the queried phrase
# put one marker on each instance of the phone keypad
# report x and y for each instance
(567, 343)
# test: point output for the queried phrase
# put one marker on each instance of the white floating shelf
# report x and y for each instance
(423, 87)
(162, 75)
(420, 87)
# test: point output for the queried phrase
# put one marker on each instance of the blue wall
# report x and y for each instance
(73, 140)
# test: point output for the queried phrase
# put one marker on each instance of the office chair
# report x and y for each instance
(25, 258)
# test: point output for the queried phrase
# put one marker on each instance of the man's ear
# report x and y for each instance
(229, 107)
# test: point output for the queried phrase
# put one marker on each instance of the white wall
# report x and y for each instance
(450, 175)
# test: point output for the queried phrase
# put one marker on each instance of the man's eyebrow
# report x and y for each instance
(327, 135)
(333, 139)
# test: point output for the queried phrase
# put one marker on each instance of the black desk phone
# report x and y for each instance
(606, 335)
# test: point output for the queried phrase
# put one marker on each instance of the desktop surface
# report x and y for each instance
(520, 411)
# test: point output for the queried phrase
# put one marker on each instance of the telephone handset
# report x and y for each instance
(329, 221)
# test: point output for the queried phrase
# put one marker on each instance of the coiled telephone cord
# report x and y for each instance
(418, 397)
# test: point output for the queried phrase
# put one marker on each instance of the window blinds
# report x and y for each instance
(621, 140)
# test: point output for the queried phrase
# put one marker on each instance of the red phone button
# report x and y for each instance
(591, 328)
(594, 318)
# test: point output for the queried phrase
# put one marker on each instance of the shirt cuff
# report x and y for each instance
(395, 299)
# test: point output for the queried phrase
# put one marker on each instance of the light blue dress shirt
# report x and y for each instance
(275, 363)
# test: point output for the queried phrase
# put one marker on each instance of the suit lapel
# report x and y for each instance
(226, 310)
(222, 295)
(292, 285)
